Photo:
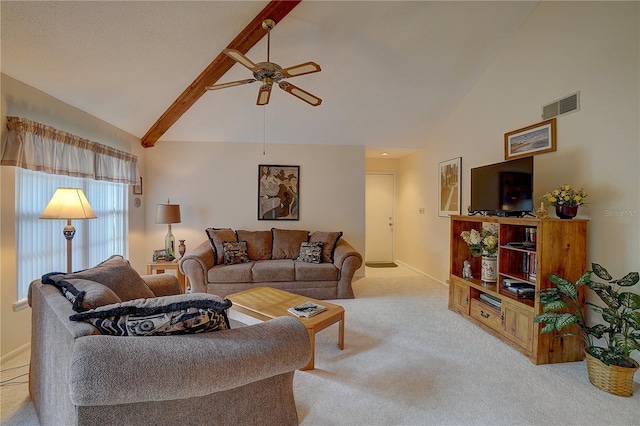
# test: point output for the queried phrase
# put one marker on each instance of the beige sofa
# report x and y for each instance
(273, 258)
(242, 375)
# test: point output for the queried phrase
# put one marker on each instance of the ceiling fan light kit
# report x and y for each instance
(269, 73)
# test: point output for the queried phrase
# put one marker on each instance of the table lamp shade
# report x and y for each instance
(68, 203)
(168, 213)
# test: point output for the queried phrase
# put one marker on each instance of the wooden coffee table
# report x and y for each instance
(265, 303)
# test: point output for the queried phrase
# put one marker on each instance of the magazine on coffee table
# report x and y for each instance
(307, 309)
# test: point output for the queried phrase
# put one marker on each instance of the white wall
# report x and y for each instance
(382, 165)
(563, 47)
(19, 99)
(216, 185)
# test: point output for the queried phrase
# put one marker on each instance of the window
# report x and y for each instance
(41, 246)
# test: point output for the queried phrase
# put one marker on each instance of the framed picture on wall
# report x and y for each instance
(278, 192)
(449, 187)
(137, 188)
(531, 140)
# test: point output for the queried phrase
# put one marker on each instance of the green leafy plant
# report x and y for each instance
(620, 313)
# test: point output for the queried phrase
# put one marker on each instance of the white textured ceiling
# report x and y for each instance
(391, 71)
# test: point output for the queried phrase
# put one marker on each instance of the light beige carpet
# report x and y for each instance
(409, 361)
(16, 407)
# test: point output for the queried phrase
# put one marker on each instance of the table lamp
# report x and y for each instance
(168, 213)
(68, 203)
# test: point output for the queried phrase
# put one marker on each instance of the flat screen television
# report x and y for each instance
(503, 189)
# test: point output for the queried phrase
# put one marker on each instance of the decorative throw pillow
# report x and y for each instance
(160, 316)
(216, 237)
(286, 243)
(83, 294)
(330, 239)
(115, 273)
(235, 252)
(310, 252)
(259, 243)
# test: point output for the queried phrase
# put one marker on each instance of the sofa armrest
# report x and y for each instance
(163, 284)
(348, 261)
(195, 264)
(342, 251)
(109, 370)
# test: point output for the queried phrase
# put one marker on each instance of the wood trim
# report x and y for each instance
(247, 38)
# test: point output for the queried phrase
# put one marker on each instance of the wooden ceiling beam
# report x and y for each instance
(247, 38)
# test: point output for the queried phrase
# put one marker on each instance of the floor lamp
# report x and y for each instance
(68, 203)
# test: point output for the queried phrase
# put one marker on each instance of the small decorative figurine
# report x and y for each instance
(466, 270)
(542, 212)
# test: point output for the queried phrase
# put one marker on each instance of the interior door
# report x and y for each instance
(379, 222)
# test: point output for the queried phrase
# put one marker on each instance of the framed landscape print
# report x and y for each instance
(449, 187)
(531, 140)
(278, 192)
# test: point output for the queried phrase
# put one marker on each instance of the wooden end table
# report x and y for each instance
(265, 303)
(161, 266)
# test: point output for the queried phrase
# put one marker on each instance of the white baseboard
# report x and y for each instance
(422, 273)
(14, 353)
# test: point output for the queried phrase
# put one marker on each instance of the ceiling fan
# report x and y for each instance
(269, 73)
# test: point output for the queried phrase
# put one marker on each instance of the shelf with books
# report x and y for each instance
(519, 265)
(525, 297)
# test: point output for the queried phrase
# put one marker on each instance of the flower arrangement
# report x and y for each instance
(481, 243)
(565, 195)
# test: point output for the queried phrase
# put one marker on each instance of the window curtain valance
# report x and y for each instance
(35, 146)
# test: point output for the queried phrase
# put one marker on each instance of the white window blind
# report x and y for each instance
(41, 246)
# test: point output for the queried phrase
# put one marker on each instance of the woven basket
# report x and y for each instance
(610, 378)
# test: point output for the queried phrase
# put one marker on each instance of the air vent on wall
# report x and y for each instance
(562, 106)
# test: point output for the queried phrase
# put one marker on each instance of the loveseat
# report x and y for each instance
(80, 376)
(320, 265)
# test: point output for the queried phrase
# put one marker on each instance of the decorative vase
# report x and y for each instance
(182, 248)
(566, 212)
(489, 271)
(610, 378)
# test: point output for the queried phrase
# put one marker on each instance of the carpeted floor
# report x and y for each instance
(409, 361)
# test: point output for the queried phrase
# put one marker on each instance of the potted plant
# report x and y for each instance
(566, 200)
(610, 366)
(484, 243)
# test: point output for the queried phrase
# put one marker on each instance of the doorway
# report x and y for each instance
(380, 195)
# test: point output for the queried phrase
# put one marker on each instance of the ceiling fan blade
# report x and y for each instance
(241, 59)
(299, 93)
(264, 94)
(302, 69)
(230, 84)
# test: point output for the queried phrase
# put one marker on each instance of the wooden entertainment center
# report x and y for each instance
(560, 248)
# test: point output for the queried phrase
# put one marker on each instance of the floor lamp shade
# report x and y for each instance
(168, 213)
(68, 203)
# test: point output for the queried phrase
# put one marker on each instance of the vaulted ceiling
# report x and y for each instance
(392, 71)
